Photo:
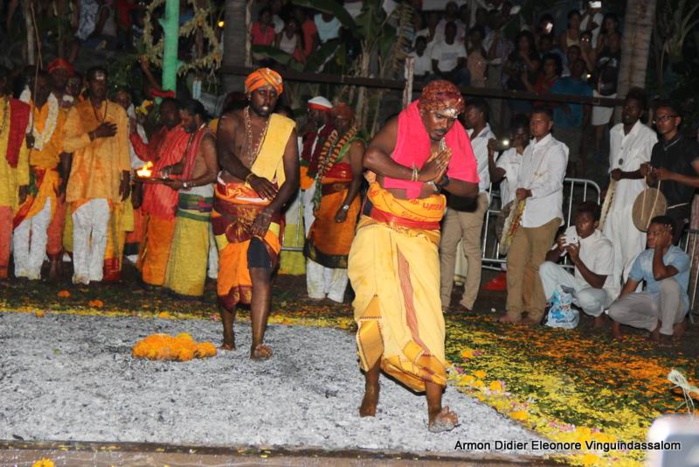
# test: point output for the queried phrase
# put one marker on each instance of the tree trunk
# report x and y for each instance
(171, 29)
(31, 33)
(236, 42)
(635, 44)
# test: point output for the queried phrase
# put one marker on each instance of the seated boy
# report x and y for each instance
(662, 306)
(593, 257)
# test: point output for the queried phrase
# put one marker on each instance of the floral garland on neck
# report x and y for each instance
(44, 136)
(325, 162)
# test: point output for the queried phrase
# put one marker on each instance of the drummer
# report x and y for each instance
(674, 166)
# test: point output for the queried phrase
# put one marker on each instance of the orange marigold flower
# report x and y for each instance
(519, 415)
(39, 314)
(43, 462)
(95, 303)
(163, 314)
(63, 294)
(496, 386)
(479, 374)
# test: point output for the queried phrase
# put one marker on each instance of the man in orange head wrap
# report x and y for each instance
(336, 206)
(258, 153)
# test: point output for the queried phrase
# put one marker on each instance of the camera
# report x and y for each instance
(570, 239)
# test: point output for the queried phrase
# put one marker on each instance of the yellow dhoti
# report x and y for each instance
(394, 270)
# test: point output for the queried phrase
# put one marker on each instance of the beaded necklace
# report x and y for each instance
(252, 155)
(332, 144)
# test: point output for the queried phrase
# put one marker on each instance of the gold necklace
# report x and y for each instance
(252, 155)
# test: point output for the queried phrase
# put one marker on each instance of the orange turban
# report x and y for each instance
(262, 77)
(59, 63)
(441, 95)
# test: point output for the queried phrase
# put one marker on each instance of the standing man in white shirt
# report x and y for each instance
(541, 188)
(466, 225)
(592, 255)
(631, 143)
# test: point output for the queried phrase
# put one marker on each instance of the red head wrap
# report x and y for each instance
(442, 95)
(342, 110)
(59, 63)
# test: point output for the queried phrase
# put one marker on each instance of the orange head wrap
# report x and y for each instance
(442, 95)
(59, 63)
(262, 77)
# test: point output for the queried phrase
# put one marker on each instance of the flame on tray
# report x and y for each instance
(146, 171)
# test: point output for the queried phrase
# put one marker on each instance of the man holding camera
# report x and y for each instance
(593, 257)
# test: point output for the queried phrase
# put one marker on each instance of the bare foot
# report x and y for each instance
(679, 329)
(369, 403)
(600, 321)
(507, 319)
(444, 420)
(531, 321)
(616, 331)
(227, 346)
(260, 352)
(655, 334)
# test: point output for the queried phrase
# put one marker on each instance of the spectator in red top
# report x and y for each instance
(545, 79)
(309, 31)
(262, 33)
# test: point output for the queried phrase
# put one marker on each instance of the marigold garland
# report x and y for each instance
(180, 348)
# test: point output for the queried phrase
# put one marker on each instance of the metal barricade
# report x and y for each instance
(575, 191)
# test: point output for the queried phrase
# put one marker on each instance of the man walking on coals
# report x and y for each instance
(258, 154)
(394, 260)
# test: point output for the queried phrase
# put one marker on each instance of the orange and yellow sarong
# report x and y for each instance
(329, 242)
(235, 208)
(394, 270)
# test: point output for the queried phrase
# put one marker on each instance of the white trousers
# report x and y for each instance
(322, 282)
(212, 267)
(29, 243)
(592, 301)
(306, 197)
(90, 223)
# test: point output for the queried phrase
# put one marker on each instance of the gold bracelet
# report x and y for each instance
(414, 175)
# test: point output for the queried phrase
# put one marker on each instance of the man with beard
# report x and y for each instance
(336, 203)
(631, 143)
(186, 268)
(394, 260)
(96, 133)
(61, 71)
(465, 222)
(166, 148)
(44, 205)
(258, 152)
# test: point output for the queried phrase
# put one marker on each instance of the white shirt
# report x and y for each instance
(479, 143)
(447, 55)
(423, 64)
(510, 162)
(597, 18)
(598, 255)
(628, 152)
(543, 171)
(327, 30)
